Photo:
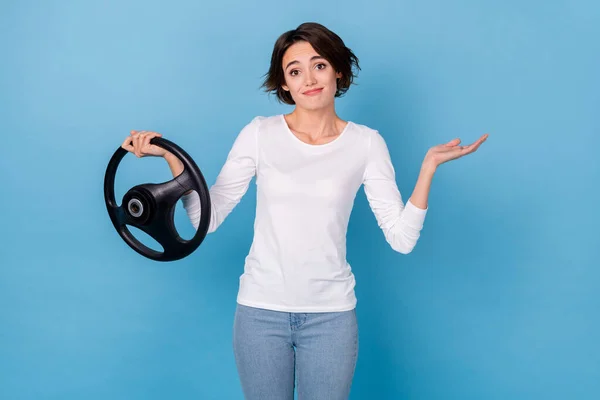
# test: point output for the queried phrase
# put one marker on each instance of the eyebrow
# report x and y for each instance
(297, 62)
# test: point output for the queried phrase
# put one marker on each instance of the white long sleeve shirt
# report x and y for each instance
(305, 194)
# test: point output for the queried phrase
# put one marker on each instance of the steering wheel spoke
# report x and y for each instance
(165, 194)
(162, 229)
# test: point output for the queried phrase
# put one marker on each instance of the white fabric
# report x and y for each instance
(305, 193)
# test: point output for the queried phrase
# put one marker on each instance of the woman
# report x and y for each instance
(295, 316)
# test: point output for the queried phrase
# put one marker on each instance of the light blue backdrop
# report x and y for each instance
(499, 300)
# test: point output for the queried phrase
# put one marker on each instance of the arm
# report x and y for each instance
(231, 183)
(175, 165)
(400, 223)
(436, 156)
(420, 194)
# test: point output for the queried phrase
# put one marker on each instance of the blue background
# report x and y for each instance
(499, 300)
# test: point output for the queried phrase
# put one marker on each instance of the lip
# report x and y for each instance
(313, 92)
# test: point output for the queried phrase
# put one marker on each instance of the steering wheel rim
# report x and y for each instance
(151, 207)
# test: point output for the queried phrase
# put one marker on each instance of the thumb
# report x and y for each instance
(453, 142)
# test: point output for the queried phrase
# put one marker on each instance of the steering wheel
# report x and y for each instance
(150, 207)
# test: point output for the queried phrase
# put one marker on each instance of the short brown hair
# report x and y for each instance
(325, 42)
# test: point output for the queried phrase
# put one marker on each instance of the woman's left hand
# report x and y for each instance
(442, 153)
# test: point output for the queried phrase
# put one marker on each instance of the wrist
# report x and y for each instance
(428, 167)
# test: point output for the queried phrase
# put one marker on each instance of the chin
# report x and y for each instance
(316, 105)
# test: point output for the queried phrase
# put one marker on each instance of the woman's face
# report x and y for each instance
(310, 79)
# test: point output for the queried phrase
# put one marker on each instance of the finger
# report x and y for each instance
(146, 141)
(153, 134)
(127, 145)
(475, 145)
(471, 148)
(453, 142)
(482, 139)
(137, 140)
(453, 154)
(142, 143)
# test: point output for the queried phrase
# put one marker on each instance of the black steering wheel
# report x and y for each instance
(151, 207)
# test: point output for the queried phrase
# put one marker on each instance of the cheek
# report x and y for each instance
(329, 79)
(291, 82)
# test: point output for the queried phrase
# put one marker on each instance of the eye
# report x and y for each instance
(294, 72)
(323, 66)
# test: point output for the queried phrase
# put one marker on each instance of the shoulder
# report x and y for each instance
(268, 122)
(363, 129)
(367, 134)
(252, 127)
(265, 120)
(264, 123)
(374, 143)
(267, 126)
(251, 135)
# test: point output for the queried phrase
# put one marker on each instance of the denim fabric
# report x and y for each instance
(275, 352)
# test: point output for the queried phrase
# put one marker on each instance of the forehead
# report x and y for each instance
(299, 51)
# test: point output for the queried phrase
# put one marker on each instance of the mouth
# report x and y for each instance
(313, 92)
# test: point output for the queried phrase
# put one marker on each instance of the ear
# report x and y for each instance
(284, 87)
(338, 75)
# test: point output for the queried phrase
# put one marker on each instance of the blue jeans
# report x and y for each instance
(277, 351)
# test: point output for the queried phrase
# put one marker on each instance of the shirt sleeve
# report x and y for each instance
(401, 224)
(233, 179)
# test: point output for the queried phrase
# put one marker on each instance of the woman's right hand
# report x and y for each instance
(138, 143)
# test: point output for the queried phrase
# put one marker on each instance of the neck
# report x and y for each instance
(315, 123)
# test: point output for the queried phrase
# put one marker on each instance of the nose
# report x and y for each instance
(310, 79)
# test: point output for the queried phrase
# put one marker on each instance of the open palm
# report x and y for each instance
(442, 153)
